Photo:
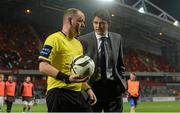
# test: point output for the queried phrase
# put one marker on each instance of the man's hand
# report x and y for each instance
(75, 79)
(92, 97)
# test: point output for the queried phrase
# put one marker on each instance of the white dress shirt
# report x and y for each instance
(99, 41)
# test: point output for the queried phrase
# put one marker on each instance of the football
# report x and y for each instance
(83, 66)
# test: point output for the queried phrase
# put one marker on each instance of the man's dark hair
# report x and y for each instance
(103, 14)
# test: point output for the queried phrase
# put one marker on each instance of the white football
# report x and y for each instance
(83, 66)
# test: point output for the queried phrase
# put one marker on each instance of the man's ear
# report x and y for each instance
(70, 20)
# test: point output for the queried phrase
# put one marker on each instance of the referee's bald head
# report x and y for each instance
(71, 12)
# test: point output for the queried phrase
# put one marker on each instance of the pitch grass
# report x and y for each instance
(155, 107)
(142, 107)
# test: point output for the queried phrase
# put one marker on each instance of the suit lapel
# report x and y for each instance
(95, 56)
(114, 47)
(95, 47)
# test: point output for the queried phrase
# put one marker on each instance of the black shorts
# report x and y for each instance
(64, 100)
(28, 99)
(10, 99)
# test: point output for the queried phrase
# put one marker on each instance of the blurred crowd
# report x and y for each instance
(18, 48)
(20, 43)
(141, 61)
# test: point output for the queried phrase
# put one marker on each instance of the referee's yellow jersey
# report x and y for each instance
(59, 51)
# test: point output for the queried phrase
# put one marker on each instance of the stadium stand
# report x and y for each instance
(19, 47)
(141, 61)
(19, 43)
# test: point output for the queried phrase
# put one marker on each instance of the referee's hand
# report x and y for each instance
(75, 79)
(92, 97)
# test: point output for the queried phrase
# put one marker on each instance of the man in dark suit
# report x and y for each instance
(105, 48)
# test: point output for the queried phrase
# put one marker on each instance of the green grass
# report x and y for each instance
(142, 107)
(155, 107)
(18, 108)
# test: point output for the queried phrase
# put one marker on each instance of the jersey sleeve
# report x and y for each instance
(48, 52)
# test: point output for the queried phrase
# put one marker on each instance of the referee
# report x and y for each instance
(64, 88)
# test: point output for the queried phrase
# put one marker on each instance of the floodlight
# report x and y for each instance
(141, 10)
(176, 23)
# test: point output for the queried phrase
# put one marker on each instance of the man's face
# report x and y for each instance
(10, 78)
(100, 26)
(28, 79)
(78, 22)
(132, 77)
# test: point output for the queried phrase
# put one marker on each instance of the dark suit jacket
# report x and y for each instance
(90, 47)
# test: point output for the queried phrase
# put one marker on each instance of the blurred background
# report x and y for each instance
(151, 40)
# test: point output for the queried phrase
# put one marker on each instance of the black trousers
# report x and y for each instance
(63, 100)
(109, 98)
(9, 106)
(9, 103)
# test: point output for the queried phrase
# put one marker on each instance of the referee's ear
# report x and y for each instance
(70, 20)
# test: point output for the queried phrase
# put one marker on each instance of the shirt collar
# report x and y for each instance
(99, 36)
